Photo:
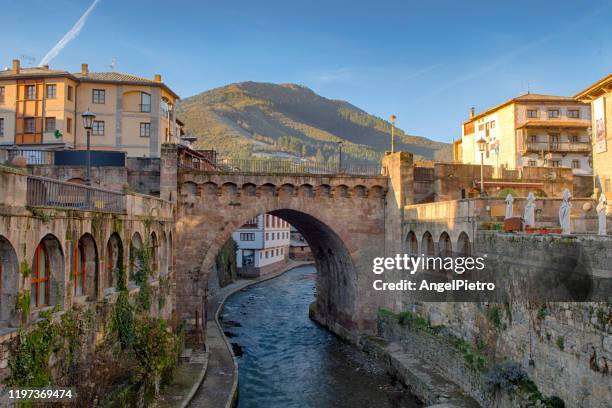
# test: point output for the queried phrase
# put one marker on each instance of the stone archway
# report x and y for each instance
(9, 275)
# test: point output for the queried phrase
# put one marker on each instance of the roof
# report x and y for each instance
(530, 97)
(557, 123)
(604, 84)
(107, 77)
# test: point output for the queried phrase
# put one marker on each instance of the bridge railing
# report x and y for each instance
(287, 166)
(46, 192)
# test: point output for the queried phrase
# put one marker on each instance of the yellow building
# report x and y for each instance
(599, 95)
(41, 108)
(530, 130)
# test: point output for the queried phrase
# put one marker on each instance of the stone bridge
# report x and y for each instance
(342, 217)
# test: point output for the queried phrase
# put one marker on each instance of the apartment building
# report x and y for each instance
(530, 130)
(599, 96)
(263, 245)
(40, 108)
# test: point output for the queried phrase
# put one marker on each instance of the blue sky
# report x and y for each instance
(425, 61)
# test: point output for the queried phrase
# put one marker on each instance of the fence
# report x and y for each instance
(33, 157)
(46, 192)
(99, 158)
(287, 166)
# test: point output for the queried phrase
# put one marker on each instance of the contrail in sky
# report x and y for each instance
(69, 36)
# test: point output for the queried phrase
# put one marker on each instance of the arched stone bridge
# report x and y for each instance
(342, 217)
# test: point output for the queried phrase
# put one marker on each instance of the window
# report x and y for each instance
(532, 113)
(50, 125)
(2, 94)
(575, 164)
(78, 269)
(573, 113)
(533, 138)
(39, 295)
(267, 236)
(492, 124)
(97, 128)
(29, 125)
(69, 125)
(1, 126)
(51, 91)
(145, 129)
(69, 93)
(98, 96)
(555, 163)
(532, 163)
(260, 255)
(266, 254)
(30, 91)
(575, 139)
(553, 113)
(247, 236)
(145, 102)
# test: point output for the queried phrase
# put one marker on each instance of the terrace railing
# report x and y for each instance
(287, 166)
(46, 192)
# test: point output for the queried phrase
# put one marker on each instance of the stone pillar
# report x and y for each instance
(399, 167)
(168, 173)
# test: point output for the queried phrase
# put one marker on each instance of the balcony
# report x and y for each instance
(561, 147)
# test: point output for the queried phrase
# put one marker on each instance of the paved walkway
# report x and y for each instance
(219, 388)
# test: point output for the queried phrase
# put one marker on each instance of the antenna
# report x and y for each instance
(528, 87)
(113, 64)
(28, 58)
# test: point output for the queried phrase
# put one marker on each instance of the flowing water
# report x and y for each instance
(289, 361)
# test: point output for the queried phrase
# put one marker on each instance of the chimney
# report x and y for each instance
(84, 69)
(16, 66)
(472, 112)
(45, 67)
(157, 78)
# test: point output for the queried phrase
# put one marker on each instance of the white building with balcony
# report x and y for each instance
(263, 245)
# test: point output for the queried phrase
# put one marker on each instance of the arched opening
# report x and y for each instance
(464, 247)
(427, 244)
(164, 255)
(445, 246)
(9, 282)
(135, 262)
(154, 244)
(85, 268)
(114, 261)
(336, 285)
(412, 244)
(47, 277)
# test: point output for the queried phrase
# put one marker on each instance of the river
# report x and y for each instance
(289, 361)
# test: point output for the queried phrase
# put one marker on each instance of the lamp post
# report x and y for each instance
(481, 146)
(340, 156)
(88, 118)
(392, 120)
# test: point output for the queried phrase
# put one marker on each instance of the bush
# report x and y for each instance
(506, 376)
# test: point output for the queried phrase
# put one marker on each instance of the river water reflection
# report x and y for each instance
(289, 361)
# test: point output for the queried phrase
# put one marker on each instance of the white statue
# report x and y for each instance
(564, 212)
(509, 202)
(530, 206)
(602, 207)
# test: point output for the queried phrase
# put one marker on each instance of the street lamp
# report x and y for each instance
(392, 119)
(88, 118)
(482, 142)
(340, 156)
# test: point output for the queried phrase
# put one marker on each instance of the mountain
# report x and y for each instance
(252, 119)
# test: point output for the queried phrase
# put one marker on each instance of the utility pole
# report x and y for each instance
(392, 119)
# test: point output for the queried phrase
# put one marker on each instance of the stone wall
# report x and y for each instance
(566, 348)
(103, 239)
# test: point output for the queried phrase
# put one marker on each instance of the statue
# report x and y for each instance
(509, 202)
(602, 207)
(530, 206)
(564, 212)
